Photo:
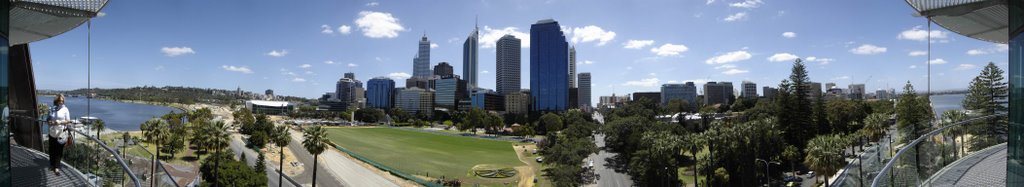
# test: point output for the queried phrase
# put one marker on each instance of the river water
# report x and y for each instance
(942, 103)
(119, 116)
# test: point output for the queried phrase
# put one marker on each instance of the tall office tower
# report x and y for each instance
(443, 70)
(572, 66)
(508, 63)
(584, 90)
(814, 89)
(549, 67)
(350, 75)
(449, 91)
(469, 58)
(671, 92)
(857, 91)
(749, 90)
(380, 93)
(346, 91)
(769, 92)
(718, 93)
(421, 63)
(690, 94)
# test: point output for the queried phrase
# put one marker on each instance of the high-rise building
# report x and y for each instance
(421, 63)
(415, 100)
(584, 90)
(508, 64)
(857, 91)
(346, 91)
(443, 70)
(549, 70)
(650, 96)
(749, 90)
(572, 66)
(416, 82)
(574, 96)
(769, 92)
(517, 103)
(814, 90)
(718, 93)
(449, 91)
(671, 92)
(830, 85)
(469, 58)
(487, 100)
(350, 75)
(380, 93)
(881, 94)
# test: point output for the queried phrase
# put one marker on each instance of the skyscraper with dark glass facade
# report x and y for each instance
(380, 93)
(549, 67)
(508, 61)
(469, 58)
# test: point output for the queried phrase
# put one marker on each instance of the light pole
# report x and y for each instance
(766, 169)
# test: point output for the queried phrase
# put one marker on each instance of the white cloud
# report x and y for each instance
(240, 69)
(176, 51)
(844, 77)
(649, 82)
(789, 34)
(276, 53)
(592, 33)
(305, 66)
(822, 61)
(159, 67)
(653, 74)
(868, 49)
(378, 24)
(326, 29)
(709, 2)
(629, 67)
(637, 44)
(329, 62)
(433, 45)
(750, 4)
(399, 75)
(918, 34)
(669, 49)
(101, 14)
(372, 4)
(965, 67)
(489, 37)
(484, 72)
(736, 17)
(913, 67)
(344, 29)
(997, 48)
(588, 62)
(734, 71)
(309, 73)
(726, 66)
(729, 57)
(296, 79)
(937, 61)
(918, 53)
(780, 57)
(352, 65)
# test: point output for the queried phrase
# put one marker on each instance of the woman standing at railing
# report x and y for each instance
(58, 120)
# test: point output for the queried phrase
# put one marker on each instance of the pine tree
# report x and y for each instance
(261, 165)
(796, 114)
(821, 117)
(986, 96)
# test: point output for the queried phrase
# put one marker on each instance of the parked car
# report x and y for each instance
(540, 159)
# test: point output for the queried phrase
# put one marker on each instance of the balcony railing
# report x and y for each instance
(918, 160)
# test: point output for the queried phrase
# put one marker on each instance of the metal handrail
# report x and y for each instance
(120, 161)
(891, 163)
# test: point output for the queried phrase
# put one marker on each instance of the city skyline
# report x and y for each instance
(304, 51)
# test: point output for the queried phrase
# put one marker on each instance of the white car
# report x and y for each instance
(540, 159)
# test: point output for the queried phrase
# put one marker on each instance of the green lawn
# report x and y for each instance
(421, 153)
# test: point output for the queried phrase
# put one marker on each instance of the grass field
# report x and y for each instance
(421, 153)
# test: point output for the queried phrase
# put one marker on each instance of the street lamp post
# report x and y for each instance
(767, 170)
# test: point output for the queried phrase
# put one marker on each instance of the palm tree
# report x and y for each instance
(791, 154)
(99, 126)
(315, 142)
(824, 155)
(281, 138)
(219, 138)
(158, 131)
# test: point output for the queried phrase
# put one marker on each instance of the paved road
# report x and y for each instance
(323, 178)
(332, 160)
(608, 177)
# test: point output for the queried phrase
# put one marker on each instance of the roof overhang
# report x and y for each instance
(985, 20)
(34, 20)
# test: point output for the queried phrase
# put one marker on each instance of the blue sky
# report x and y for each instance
(302, 49)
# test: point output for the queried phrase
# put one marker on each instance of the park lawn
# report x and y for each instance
(422, 153)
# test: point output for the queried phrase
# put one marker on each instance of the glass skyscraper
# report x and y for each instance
(584, 90)
(1015, 144)
(508, 61)
(549, 67)
(380, 93)
(421, 63)
(469, 58)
